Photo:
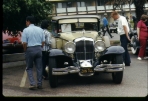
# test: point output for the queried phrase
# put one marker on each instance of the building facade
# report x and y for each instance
(97, 7)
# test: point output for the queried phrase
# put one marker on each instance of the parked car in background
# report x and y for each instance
(113, 27)
(12, 43)
(79, 48)
(135, 43)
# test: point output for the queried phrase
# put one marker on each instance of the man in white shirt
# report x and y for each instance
(123, 31)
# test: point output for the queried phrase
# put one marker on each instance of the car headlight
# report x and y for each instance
(70, 47)
(99, 46)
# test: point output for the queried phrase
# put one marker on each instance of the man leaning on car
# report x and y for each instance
(123, 31)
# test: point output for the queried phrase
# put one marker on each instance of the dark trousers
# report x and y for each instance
(45, 55)
(135, 25)
(124, 41)
(33, 56)
(106, 29)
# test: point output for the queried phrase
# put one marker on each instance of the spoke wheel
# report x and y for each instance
(134, 49)
(53, 79)
(117, 76)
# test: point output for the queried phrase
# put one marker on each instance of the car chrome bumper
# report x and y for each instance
(109, 68)
(98, 68)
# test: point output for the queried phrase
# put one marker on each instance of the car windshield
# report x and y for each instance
(68, 27)
(74, 24)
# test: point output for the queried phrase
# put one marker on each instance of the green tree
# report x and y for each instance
(139, 7)
(16, 11)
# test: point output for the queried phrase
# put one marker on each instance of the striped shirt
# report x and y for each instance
(47, 45)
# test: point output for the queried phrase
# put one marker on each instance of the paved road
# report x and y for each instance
(134, 84)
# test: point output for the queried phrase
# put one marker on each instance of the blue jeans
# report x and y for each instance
(34, 56)
(124, 41)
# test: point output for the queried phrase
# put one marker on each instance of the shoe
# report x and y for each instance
(127, 64)
(32, 87)
(112, 36)
(145, 57)
(39, 87)
(139, 58)
(45, 78)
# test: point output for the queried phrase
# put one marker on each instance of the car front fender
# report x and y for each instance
(114, 50)
(56, 52)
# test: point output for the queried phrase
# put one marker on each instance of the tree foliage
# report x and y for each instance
(16, 11)
(139, 7)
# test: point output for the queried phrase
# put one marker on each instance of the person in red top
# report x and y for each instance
(142, 32)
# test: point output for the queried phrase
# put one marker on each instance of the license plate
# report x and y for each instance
(86, 70)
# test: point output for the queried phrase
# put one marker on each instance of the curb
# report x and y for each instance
(14, 64)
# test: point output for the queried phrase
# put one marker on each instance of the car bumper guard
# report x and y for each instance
(98, 68)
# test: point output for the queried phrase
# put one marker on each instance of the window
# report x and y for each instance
(61, 5)
(69, 4)
(100, 2)
(81, 4)
(89, 3)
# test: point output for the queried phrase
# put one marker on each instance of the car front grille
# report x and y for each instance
(84, 50)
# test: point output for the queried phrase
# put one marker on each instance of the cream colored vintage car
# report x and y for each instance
(79, 47)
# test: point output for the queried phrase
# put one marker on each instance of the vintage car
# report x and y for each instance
(78, 47)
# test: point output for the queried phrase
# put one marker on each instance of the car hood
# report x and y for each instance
(70, 36)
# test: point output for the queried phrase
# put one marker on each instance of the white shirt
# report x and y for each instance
(122, 21)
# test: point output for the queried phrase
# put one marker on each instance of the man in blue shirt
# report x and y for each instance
(33, 40)
(105, 26)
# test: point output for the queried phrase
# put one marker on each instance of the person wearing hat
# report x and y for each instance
(105, 26)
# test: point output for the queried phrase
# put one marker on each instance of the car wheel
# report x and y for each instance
(53, 79)
(117, 76)
(135, 43)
